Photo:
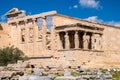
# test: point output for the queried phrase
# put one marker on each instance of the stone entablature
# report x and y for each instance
(15, 14)
(79, 26)
(42, 15)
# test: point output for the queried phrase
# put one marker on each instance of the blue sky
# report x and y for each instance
(104, 11)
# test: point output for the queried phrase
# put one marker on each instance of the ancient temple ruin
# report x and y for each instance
(69, 41)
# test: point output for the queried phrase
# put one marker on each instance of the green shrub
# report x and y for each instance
(59, 74)
(103, 70)
(116, 75)
(74, 73)
(10, 55)
(87, 70)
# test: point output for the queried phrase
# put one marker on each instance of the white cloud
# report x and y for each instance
(89, 3)
(96, 19)
(75, 6)
(114, 23)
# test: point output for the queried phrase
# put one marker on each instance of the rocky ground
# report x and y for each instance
(26, 71)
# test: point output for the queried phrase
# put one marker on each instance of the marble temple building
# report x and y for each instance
(68, 41)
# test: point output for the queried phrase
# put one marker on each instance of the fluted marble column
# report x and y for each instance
(84, 41)
(76, 40)
(44, 41)
(92, 42)
(18, 34)
(59, 46)
(67, 42)
(26, 38)
(35, 31)
(101, 42)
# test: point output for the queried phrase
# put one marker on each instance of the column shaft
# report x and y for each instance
(35, 43)
(26, 38)
(101, 42)
(18, 35)
(92, 41)
(84, 41)
(44, 41)
(58, 41)
(76, 40)
(67, 42)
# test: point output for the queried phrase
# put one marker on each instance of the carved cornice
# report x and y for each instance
(79, 26)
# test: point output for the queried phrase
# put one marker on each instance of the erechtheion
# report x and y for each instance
(67, 40)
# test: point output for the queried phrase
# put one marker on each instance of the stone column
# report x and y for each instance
(92, 42)
(44, 41)
(18, 34)
(58, 41)
(35, 42)
(54, 41)
(85, 41)
(14, 34)
(76, 40)
(101, 42)
(35, 29)
(26, 38)
(67, 43)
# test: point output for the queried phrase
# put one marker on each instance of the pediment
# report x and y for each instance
(12, 11)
